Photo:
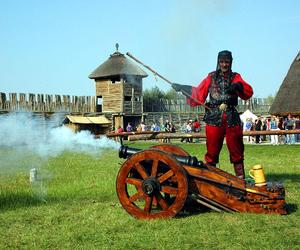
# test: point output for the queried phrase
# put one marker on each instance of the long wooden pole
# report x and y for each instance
(202, 135)
(271, 132)
(111, 134)
(165, 79)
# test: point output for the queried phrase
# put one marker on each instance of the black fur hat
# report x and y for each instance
(225, 54)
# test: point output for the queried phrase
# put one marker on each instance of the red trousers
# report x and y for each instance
(214, 142)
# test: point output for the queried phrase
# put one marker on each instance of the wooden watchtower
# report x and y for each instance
(119, 86)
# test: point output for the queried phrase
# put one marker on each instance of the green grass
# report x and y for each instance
(75, 206)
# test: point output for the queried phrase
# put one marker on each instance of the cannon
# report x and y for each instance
(156, 182)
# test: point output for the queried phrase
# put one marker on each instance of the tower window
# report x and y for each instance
(99, 103)
(99, 100)
(116, 79)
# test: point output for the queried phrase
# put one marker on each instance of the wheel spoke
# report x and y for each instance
(154, 201)
(134, 181)
(148, 204)
(136, 196)
(165, 176)
(141, 170)
(154, 168)
(161, 201)
(169, 190)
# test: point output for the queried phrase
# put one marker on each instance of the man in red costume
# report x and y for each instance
(222, 119)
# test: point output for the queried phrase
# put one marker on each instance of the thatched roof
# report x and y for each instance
(88, 120)
(287, 99)
(117, 64)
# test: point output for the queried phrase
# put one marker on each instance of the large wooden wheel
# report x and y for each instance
(152, 184)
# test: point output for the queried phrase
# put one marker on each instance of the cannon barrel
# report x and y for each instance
(125, 152)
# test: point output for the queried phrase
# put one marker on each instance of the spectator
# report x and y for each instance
(297, 126)
(143, 127)
(264, 128)
(188, 130)
(139, 128)
(196, 126)
(120, 131)
(167, 129)
(168, 126)
(129, 127)
(248, 127)
(173, 128)
(274, 127)
(290, 125)
(155, 127)
(281, 138)
(257, 126)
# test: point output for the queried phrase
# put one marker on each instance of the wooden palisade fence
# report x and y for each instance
(87, 104)
(46, 103)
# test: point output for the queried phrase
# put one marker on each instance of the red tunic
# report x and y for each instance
(215, 134)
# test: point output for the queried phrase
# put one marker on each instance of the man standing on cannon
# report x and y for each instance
(222, 119)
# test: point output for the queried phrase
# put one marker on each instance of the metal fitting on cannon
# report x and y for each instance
(125, 151)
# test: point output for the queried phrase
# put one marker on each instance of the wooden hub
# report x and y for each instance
(150, 186)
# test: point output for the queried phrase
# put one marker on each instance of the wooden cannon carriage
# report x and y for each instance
(155, 183)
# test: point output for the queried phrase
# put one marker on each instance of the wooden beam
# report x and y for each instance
(148, 135)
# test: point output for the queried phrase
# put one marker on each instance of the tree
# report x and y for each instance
(153, 94)
(269, 100)
(153, 98)
(173, 95)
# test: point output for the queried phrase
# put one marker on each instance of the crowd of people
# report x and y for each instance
(270, 123)
(273, 123)
(167, 126)
(190, 127)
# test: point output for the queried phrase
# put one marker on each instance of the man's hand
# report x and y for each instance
(236, 87)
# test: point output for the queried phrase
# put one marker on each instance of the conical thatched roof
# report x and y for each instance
(287, 99)
(117, 64)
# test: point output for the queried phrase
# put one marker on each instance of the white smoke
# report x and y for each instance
(32, 134)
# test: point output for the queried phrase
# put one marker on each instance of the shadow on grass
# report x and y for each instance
(198, 209)
(273, 177)
(292, 208)
(18, 200)
(192, 207)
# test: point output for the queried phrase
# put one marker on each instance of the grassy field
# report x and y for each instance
(74, 206)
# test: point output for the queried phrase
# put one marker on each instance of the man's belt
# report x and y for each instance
(223, 106)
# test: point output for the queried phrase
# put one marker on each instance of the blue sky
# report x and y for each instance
(52, 46)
